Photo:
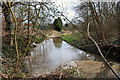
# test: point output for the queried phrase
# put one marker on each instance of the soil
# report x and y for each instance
(59, 34)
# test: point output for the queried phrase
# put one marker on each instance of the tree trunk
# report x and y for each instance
(28, 20)
(6, 12)
(97, 19)
(118, 19)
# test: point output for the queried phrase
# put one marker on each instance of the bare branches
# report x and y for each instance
(27, 45)
(74, 25)
(97, 18)
(99, 50)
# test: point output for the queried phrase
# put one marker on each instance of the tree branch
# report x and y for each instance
(99, 50)
(16, 45)
(3, 75)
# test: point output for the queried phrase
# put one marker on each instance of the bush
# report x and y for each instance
(58, 24)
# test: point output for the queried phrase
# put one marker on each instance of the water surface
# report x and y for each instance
(53, 52)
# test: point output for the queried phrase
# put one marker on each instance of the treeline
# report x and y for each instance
(106, 20)
(105, 26)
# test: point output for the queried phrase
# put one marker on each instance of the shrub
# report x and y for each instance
(58, 24)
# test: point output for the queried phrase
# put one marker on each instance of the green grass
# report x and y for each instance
(72, 37)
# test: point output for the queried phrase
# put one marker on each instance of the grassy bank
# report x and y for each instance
(81, 42)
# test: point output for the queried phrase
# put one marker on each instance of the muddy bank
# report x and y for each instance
(59, 34)
(83, 69)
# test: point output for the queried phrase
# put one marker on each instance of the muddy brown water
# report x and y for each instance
(49, 54)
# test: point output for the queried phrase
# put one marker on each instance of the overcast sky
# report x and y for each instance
(68, 5)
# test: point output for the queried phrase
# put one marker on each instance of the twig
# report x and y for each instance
(99, 50)
(3, 75)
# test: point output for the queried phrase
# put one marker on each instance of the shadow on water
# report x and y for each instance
(53, 52)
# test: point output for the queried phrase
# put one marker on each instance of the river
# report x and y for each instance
(49, 54)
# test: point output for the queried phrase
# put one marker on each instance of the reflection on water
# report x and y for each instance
(57, 42)
(105, 71)
(52, 53)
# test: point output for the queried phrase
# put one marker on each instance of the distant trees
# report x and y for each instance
(104, 15)
(58, 24)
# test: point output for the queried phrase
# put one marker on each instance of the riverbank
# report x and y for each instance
(9, 52)
(82, 70)
(77, 40)
(81, 42)
(59, 33)
(53, 51)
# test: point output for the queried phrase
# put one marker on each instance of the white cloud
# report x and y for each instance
(67, 6)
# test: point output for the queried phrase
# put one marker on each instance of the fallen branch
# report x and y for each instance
(99, 50)
(3, 75)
